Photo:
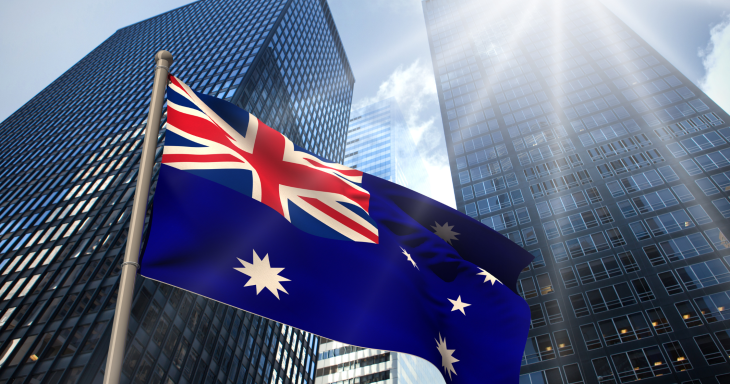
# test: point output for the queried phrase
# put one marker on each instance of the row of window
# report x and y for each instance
(479, 157)
(587, 244)
(508, 219)
(619, 146)
(560, 184)
(577, 222)
(598, 269)
(552, 167)
(695, 276)
(699, 143)
(669, 222)
(685, 127)
(568, 202)
(530, 140)
(354, 364)
(547, 347)
(654, 201)
(641, 181)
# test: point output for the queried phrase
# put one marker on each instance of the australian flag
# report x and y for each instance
(244, 216)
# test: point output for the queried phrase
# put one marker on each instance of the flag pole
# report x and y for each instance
(115, 358)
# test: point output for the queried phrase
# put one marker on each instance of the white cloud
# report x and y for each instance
(716, 59)
(414, 88)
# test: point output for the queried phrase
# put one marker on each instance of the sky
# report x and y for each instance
(385, 41)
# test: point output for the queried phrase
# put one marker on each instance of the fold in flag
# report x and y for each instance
(245, 217)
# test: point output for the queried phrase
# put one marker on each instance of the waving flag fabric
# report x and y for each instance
(245, 217)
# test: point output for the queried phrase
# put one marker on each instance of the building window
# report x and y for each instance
(588, 244)
(572, 374)
(718, 239)
(611, 297)
(688, 314)
(628, 262)
(580, 308)
(723, 206)
(565, 347)
(553, 311)
(658, 320)
(559, 252)
(548, 376)
(623, 329)
(642, 288)
(703, 275)
(546, 285)
(537, 317)
(539, 348)
(590, 336)
(641, 232)
(683, 247)
(539, 260)
(709, 349)
(640, 364)
(677, 356)
(529, 235)
(714, 307)
(526, 288)
(669, 222)
(597, 270)
(724, 338)
(670, 283)
(569, 279)
(604, 374)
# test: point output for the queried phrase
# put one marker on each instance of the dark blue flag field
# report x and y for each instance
(245, 217)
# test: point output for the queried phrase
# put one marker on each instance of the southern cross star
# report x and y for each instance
(262, 275)
(447, 361)
(445, 232)
(408, 256)
(458, 305)
(488, 276)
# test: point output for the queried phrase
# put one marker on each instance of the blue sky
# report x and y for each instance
(385, 41)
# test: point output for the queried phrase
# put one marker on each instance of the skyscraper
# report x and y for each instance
(378, 143)
(341, 363)
(570, 135)
(69, 162)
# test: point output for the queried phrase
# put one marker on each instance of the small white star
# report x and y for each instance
(447, 361)
(408, 256)
(445, 232)
(459, 305)
(488, 277)
(262, 275)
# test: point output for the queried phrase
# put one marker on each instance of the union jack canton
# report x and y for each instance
(236, 149)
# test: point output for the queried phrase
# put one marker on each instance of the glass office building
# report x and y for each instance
(570, 135)
(68, 163)
(378, 143)
(341, 363)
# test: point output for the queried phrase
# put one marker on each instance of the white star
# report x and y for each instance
(458, 305)
(408, 256)
(447, 361)
(488, 277)
(262, 275)
(445, 232)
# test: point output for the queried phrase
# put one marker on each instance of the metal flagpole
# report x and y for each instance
(115, 359)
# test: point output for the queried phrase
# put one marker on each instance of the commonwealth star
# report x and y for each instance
(262, 275)
(447, 361)
(445, 232)
(488, 276)
(409, 258)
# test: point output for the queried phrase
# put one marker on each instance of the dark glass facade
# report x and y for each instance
(68, 165)
(570, 135)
